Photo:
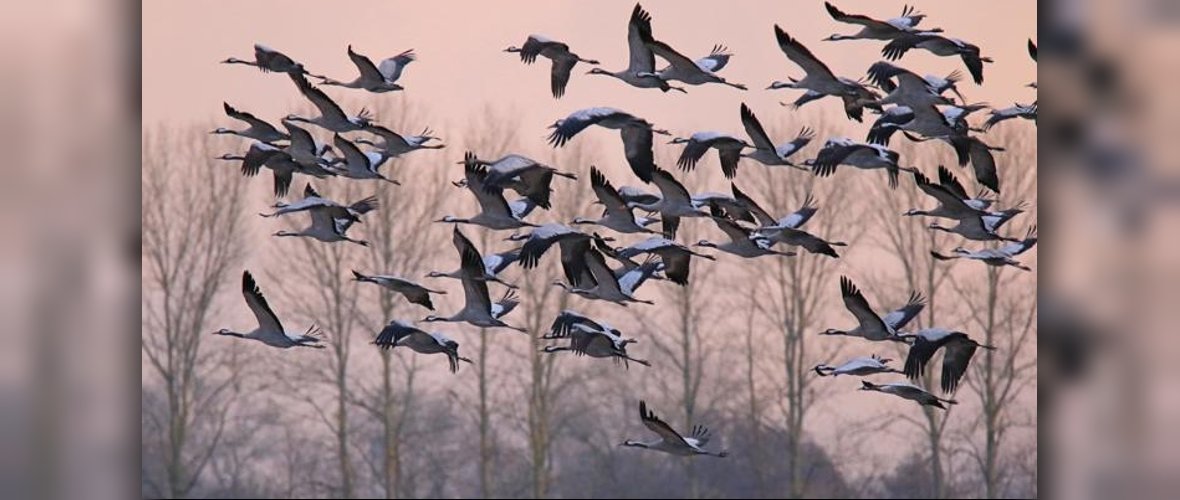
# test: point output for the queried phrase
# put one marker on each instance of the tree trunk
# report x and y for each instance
(485, 445)
(990, 407)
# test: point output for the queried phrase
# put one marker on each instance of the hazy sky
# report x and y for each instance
(461, 65)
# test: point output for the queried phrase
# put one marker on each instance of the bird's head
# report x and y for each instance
(865, 385)
(678, 140)
(512, 48)
(912, 212)
(232, 60)
(961, 250)
(780, 85)
(832, 331)
(225, 156)
(810, 162)
(294, 118)
(660, 131)
(518, 237)
(633, 444)
(220, 130)
(435, 274)
(556, 123)
(597, 71)
(447, 218)
(706, 243)
(223, 331)
(551, 348)
(432, 318)
(285, 233)
(836, 37)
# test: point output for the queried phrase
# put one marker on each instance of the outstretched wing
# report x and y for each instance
(267, 320)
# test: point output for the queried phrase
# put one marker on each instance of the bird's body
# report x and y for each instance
(604, 284)
(413, 292)
(617, 215)
(907, 391)
(953, 202)
(331, 116)
(359, 164)
(819, 81)
(478, 308)
(859, 367)
(588, 337)
(329, 220)
(493, 263)
(958, 349)
(676, 257)
(843, 151)
(982, 227)
(401, 334)
(765, 151)
(729, 150)
(495, 211)
(742, 242)
(1027, 112)
(998, 257)
(268, 60)
(635, 132)
(670, 441)
(873, 29)
(526, 176)
(641, 70)
(870, 326)
(372, 78)
(270, 331)
(683, 69)
(258, 129)
(940, 46)
(563, 61)
(674, 202)
(394, 144)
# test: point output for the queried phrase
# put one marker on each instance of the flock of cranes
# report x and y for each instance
(509, 190)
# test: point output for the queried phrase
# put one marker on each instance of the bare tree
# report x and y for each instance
(191, 244)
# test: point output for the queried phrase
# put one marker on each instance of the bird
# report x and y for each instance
(786, 230)
(399, 333)
(674, 202)
(640, 71)
(873, 29)
(604, 284)
(270, 331)
(589, 338)
(969, 148)
(742, 242)
(258, 129)
(267, 60)
(371, 77)
(683, 69)
(907, 391)
(308, 153)
(528, 177)
(670, 441)
(953, 202)
(729, 150)
(563, 61)
(860, 367)
(1028, 112)
(331, 116)
(1032, 50)
(906, 88)
(999, 257)
(982, 227)
(820, 80)
(869, 325)
(940, 46)
(478, 308)
(359, 164)
(262, 154)
(844, 151)
(676, 257)
(958, 348)
(413, 292)
(765, 151)
(717, 59)
(540, 239)
(925, 120)
(617, 215)
(635, 196)
(329, 219)
(495, 212)
(635, 132)
(493, 263)
(393, 144)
